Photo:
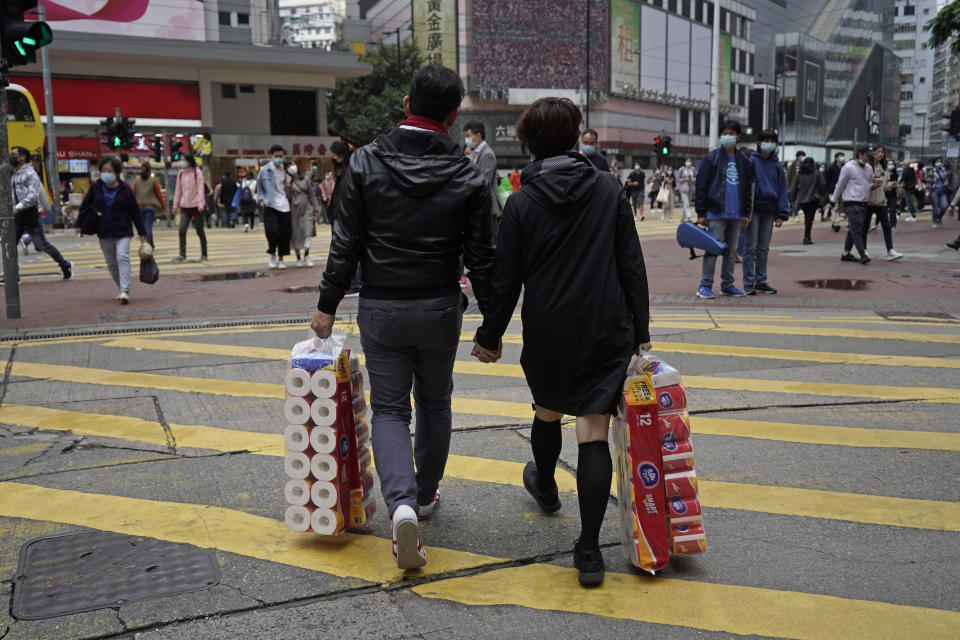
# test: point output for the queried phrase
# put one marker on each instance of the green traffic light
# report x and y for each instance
(666, 151)
(117, 142)
(29, 41)
(20, 48)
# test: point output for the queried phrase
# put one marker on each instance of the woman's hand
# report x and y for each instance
(485, 355)
(646, 346)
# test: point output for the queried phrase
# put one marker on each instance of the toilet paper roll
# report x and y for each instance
(296, 438)
(296, 410)
(672, 398)
(323, 383)
(324, 495)
(323, 467)
(323, 439)
(325, 522)
(363, 433)
(364, 457)
(323, 412)
(296, 465)
(297, 518)
(297, 382)
(297, 492)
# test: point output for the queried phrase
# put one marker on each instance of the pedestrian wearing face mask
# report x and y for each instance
(878, 202)
(119, 213)
(831, 176)
(687, 186)
(272, 190)
(475, 139)
(666, 196)
(635, 182)
(908, 183)
(893, 193)
(25, 189)
(808, 192)
(854, 186)
(190, 200)
(723, 204)
(770, 208)
(304, 211)
(937, 187)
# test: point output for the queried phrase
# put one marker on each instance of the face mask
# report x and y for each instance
(14, 162)
(469, 142)
(669, 172)
(727, 142)
(292, 169)
(939, 164)
(841, 159)
(636, 167)
(278, 161)
(861, 162)
(108, 178)
(588, 149)
(822, 169)
(768, 147)
(890, 167)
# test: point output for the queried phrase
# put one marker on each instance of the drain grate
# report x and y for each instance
(64, 574)
(837, 284)
(233, 275)
(916, 315)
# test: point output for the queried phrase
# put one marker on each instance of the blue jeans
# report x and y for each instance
(727, 231)
(938, 199)
(40, 242)
(757, 247)
(149, 216)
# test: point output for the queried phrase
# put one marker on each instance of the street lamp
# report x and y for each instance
(923, 134)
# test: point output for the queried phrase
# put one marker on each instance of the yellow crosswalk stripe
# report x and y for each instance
(870, 509)
(823, 332)
(700, 605)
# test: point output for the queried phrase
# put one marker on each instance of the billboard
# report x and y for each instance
(435, 31)
(172, 19)
(624, 33)
(811, 91)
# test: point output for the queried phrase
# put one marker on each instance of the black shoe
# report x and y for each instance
(864, 260)
(765, 288)
(954, 245)
(589, 562)
(847, 257)
(203, 258)
(68, 271)
(807, 241)
(749, 292)
(548, 501)
(180, 259)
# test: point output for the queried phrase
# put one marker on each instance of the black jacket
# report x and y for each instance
(712, 183)
(568, 238)
(909, 178)
(409, 207)
(832, 176)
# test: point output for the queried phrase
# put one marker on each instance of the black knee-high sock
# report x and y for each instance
(546, 441)
(306, 252)
(594, 473)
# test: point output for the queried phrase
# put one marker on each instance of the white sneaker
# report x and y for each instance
(307, 261)
(911, 219)
(893, 254)
(407, 548)
(426, 510)
(934, 226)
(873, 227)
(246, 227)
(867, 255)
(280, 265)
(299, 262)
(124, 297)
(272, 262)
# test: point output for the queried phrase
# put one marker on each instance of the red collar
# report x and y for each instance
(423, 122)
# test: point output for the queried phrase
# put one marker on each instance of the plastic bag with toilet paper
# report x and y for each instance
(328, 486)
(657, 486)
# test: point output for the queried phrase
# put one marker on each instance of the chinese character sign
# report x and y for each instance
(435, 31)
(624, 61)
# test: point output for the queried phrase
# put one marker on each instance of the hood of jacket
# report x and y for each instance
(420, 162)
(562, 183)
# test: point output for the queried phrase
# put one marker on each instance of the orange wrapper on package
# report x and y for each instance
(681, 485)
(687, 540)
(676, 456)
(640, 488)
(674, 426)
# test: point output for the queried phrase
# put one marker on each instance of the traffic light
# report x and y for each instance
(658, 145)
(665, 146)
(157, 148)
(21, 38)
(954, 128)
(175, 147)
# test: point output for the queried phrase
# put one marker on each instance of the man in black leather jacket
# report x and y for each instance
(411, 207)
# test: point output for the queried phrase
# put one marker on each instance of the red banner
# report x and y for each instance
(89, 97)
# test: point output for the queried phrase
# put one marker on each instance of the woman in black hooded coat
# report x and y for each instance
(568, 238)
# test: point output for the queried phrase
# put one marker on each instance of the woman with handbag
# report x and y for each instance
(304, 209)
(191, 200)
(110, 211)
(665, 196)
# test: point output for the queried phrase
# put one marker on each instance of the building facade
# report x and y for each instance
(917, 80)
(312, 24)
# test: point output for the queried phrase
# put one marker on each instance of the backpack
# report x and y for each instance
(245, 194)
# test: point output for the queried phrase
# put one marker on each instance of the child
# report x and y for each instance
(770, 208)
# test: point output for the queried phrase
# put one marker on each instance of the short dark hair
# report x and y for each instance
(476, 127)
(114, 163)
(549, 126)
(732, 125)
(21, 151)
(435, 92)
(277, 147)
(838, 154)
(592, 132)
(770, 135)
(799, 153)
(190, 160)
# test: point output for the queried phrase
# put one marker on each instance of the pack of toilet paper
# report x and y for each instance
(657, 487)
(328, 485)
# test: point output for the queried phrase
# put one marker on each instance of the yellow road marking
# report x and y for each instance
(349, 555)
(824, 332)
(25, 449)
(701, 605)
(879, 510)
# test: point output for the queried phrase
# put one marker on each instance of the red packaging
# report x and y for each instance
(681, 485)
(687, 540)
(684, 511)
(672, 398)
(676, 456)
(674, 426)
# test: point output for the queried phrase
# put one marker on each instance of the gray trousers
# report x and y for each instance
(410, 343)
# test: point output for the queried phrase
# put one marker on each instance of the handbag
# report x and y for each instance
(663, 196)
(89, 221)
(149, 272)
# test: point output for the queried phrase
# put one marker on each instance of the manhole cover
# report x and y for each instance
(837, 284)
(64, 574)
(233, 275)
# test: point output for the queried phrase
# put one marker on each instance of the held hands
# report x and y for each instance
(778, 223)
(485, 355)
(322, 324)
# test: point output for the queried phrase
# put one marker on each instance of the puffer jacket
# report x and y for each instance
(409, 208)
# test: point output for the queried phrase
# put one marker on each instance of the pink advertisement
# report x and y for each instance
(172, 19)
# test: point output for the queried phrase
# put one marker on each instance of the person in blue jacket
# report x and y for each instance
(723, 194)
(770, 208)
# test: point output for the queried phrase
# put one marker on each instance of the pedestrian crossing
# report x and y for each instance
(494, 395)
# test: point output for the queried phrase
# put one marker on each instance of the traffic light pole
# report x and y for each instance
(53, 171)
(8, 241)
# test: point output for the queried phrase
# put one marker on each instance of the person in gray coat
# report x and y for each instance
(475, 137)
(807, 193)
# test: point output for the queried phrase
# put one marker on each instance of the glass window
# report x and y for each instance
(697, 123)
(293, 113)
(243, 19)
(228, 91)
(698, 15)
(743, 61)
(723, 20)
(672, 6)
(743, 95)
(247, 88)
(685, 8)
(710, 14)
(909, 10)
(224, 18)
(684, 121)
(750, 71)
